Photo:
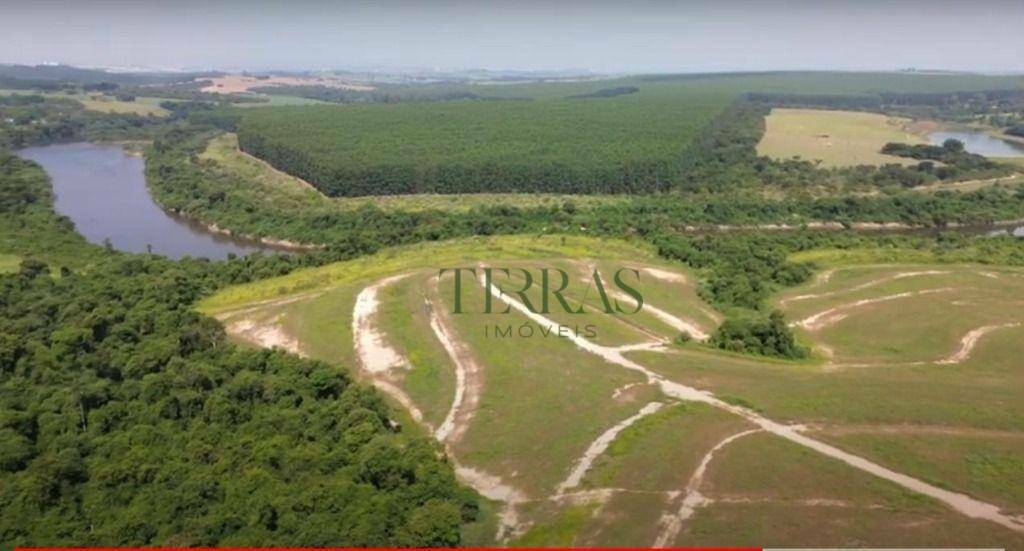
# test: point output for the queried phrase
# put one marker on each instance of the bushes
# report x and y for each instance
(766, 336)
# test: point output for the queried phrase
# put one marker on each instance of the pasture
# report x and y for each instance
(628, 438)
(836, 138)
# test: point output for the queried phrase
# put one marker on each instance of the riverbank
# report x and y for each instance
(102, 189)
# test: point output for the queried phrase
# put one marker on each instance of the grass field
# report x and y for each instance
(836, 138)
(141, 106)
(9, 263)
(144, 106)
(579, 448)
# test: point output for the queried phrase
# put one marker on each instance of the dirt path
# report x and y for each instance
(692, 499)
(675, 322)
(598, 447)
(970, 340)
(492, 487)
(468, 378)
(665, 275)
(376, 355)
(689, 326)
(833, 315)
(863, 286)
(937, 430)
(961, 503)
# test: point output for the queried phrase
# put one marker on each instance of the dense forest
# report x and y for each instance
(127, 419)
(623, 144)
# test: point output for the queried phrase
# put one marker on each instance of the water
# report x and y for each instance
(103, 191)
(981, 143)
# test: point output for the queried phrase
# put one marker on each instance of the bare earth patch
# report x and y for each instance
(238, 84)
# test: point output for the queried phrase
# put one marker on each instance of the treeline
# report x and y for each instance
(381, 94)
(37, 120)
(978, 101)
(126, 418)
(607, 92)
(996, 107)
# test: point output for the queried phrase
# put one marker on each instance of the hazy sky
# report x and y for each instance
(603, 36)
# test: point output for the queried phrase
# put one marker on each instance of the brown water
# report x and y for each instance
(103, 191)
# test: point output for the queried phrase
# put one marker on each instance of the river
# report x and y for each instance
(102, 189)
(980, 143)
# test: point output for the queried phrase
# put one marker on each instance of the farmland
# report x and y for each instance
(836, 138)
(615, 450)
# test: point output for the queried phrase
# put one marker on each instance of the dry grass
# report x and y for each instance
(836, 138)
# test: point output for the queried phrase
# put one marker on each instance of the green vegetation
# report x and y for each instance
(127, 419)
(765, 336)
(28, 225)
(625, 144)
(37, 120)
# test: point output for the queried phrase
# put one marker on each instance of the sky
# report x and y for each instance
(621, 36)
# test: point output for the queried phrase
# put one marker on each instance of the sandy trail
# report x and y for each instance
(679, 324)
(665, 275)
(675, 322)
(375, 354)
(924, 430)
(833, 315)
(693, 499)
(961, 503)
(862, 286)
(970, 340)
(494, 489)
(598, 447)
(674, 277)
(378, 357)
(468, 378)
